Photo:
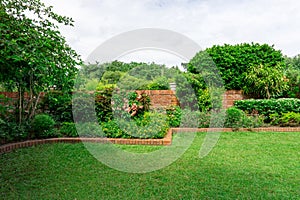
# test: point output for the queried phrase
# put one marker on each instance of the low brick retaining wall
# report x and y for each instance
(167, 140)
(263, 129)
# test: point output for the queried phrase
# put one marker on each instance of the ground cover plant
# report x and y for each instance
(241, 166)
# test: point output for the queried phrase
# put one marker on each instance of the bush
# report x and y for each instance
(187, 118)
(267, 107)
(59, 105)
(89, 129)
(112, 130)
(151, 125)
(236, 118)
(174, 116)
(286, 119)
(103, 105)
(43, 126)
(190, 119)
(11, 131)
(84, 105)
(68, 129)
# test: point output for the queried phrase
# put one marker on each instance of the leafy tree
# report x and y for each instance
(34, 56)
(293, 62)
(264, 81)
(232, 61)
(292, 73)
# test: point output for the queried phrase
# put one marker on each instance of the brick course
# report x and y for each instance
(167, 140)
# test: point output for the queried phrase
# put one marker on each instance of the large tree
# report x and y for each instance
(263, 81)
(232, 61)
(34, 56)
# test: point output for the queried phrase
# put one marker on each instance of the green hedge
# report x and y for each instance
(267, 107)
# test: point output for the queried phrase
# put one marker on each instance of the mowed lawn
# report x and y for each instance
(241, 166)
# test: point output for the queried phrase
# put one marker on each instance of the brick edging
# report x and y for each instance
(262, 129)
(167, 140)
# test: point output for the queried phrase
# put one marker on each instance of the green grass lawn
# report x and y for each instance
(241, 166)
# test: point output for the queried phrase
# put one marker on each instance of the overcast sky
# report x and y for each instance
(207, 22)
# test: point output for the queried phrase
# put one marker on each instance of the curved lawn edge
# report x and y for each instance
(167, 140)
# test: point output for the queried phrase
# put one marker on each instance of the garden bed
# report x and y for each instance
(167, 140)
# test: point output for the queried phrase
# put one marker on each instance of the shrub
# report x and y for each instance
(286, 119)
(68, 129)
(174, 116)
(103, 103)
(189, 118)
(236, 118)
(11, 131)
(112, 130)
(267, 107)
(43, 126)
(89, 129)
(151, 125)
(59, 105)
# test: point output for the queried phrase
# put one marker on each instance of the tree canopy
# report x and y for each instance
(233, 60)
(34, 56)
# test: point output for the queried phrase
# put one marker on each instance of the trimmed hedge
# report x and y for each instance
(267, 107)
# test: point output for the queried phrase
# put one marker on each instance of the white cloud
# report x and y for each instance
(206, 22)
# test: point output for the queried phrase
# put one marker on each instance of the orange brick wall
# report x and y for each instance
(164, 98)
(232, 95)
(161, 98)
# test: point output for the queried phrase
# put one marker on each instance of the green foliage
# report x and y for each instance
(91, 84)
(112, 130)
(232, 61)
(293, 63)
(43, 126)
(103, 104)
(58, 104)
(5, 107)
(174, 116)
(194, 119)
(89, 129)
(128, 82)
(150, 125)
(267, 107)
(151, 71)
(262, 81)
(159, 83)
(292, 73)
(112, 77)
(142, 102)
(185, 93)
(293, 81)
(285, 119)
(34, 55)
(236, 118)
(200, 89)
(68, 129)
(12, 131)
(193, 93)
